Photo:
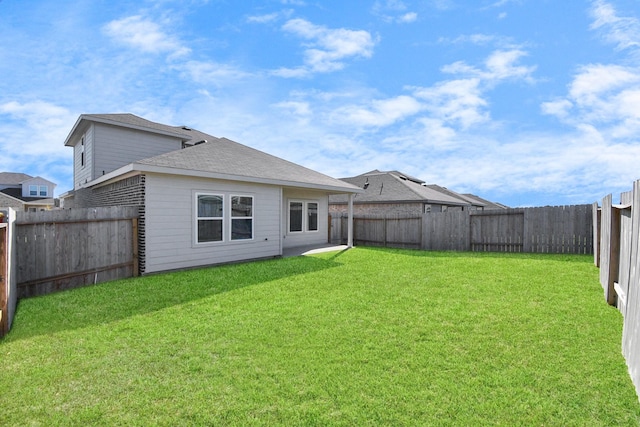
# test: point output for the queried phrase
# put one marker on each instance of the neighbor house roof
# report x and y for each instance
(394, 186)
(214, 157)
(13, 178)
(469, 200)
(488, 204)
(127, 120)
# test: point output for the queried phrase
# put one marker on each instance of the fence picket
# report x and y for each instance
(556, 229)
(64, 249)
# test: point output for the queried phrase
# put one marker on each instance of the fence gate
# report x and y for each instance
(497, 231)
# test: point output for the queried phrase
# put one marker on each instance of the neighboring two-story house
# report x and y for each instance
(24, 192)
(396, 193)
(202, 200)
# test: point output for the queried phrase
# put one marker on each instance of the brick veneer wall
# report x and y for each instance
(380, 209)
(126, 192)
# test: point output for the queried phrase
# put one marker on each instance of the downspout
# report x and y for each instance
(350, 222)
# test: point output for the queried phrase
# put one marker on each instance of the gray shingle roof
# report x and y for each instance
(127, 120)
(226, 157)
(13, 178)
(394, 186)
(223, 157)
(488, 204)
(445, 190)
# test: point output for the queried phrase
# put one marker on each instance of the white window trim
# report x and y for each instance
(231, 217)
(198, 218)
(227, 218)
(46, 190)
(33, 188)
(305, 215)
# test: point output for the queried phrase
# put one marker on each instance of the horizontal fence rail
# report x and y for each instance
(550, 229)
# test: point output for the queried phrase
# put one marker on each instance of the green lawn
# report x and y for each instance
(362, 337)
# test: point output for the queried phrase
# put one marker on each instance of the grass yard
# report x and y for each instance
(362, 337)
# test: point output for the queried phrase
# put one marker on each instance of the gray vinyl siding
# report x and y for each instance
(311, 237)
(116, 147)
(170, 222)
(38, 182)
(82, 174)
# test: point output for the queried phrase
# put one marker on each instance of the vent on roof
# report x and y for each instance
(186, 128)
(200, 142)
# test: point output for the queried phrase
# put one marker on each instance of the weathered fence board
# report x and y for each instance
(596, 213)
(446, 231)
(621, 286)
(619, 226)
(609, 248)
(551, 229)
(497, 231)
(4, 280)
(69, 248)
(631, 326)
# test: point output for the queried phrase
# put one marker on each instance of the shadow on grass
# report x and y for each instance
(111, 301)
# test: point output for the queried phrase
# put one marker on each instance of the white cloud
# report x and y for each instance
(393, 11)
(261, 19)
(502, 65)
(458, 102)
(211, 73)
(607, 96)
(144, 34)
(408, 17)
(593, 81)
(499, 65)
(36, 130)
(379, 113)
(327, 48)
(559, 107)
(622, 31)
(270, 17)
(295, 108)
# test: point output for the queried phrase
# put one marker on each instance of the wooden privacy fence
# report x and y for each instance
(64, 249)
(618, 239)
(550, 229)
(4, 280)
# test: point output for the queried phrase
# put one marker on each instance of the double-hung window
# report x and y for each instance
(33, 190)
(210, 218)
(43, 191)
(303, 216)
(241, 217)
(223, 217)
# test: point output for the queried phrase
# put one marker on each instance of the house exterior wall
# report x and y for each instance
(171, 221)
(82, 173)
(10, 202)
(409, 208)
(39, 182)
(107, 148)
(126, 192)
(319, 237)
(116, 146)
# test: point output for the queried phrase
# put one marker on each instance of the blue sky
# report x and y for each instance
(523, 102)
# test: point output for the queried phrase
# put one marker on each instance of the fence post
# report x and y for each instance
(609, 248)
(134, 249)
(597, 213)
(4, 281)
